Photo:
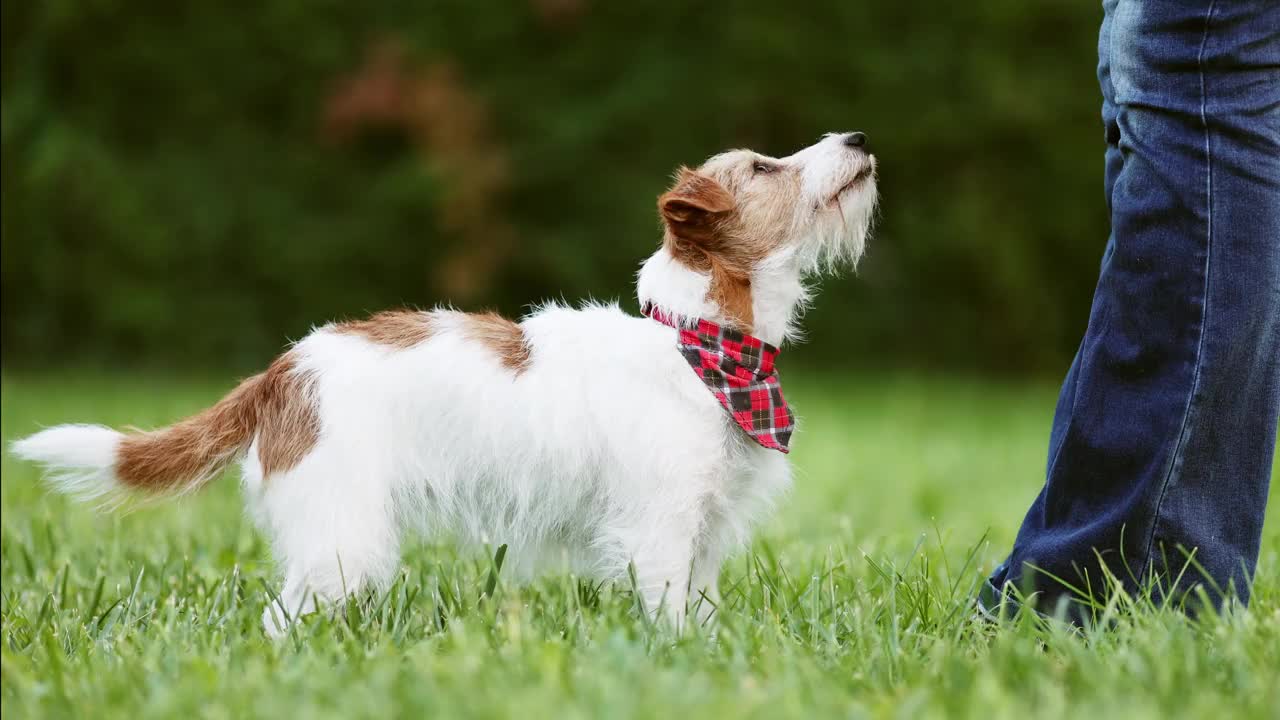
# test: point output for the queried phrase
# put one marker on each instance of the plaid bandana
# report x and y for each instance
(738, 369)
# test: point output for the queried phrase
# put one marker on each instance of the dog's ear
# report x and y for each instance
(693, 205)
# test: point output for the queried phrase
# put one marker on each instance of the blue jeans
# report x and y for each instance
(1162, 442)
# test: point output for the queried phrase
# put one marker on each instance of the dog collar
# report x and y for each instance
(739, 370)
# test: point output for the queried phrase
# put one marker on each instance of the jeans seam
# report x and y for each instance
(1180, 445)
(1071, 414)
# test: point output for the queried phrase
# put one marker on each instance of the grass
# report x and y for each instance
(854, 602)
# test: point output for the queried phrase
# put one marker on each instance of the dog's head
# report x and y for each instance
(743, 217)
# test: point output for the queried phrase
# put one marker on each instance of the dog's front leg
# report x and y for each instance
(661, 553)
(704, 585)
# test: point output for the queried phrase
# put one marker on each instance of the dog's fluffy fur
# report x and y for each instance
(577, 437)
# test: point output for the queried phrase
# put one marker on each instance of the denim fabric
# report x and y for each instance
(1165, 428)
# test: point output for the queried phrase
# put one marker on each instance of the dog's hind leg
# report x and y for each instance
(334, 529)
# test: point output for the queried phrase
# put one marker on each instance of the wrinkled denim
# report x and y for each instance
(1165, 429)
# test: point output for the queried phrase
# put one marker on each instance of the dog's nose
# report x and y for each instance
(855, 139)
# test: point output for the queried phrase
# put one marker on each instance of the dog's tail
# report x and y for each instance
(93, 462)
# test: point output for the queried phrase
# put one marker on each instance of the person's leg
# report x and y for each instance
(1163, 438)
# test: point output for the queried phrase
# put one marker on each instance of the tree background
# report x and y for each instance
(190, 185)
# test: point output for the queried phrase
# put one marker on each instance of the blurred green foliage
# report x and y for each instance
(195, 183)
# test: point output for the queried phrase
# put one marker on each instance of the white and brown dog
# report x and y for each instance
(588, 437)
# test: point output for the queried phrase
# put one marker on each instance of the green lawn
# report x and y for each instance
(853, 602)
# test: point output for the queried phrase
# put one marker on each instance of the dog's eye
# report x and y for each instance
(761, 168)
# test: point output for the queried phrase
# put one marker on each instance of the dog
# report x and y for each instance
(590, 437)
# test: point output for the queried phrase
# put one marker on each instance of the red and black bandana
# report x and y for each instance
(739, 370)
